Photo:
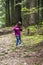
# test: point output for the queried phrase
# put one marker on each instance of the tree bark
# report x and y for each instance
(12, 12)
(38, 17)
(7, 13)
(42, 10)
(17, 11)
(32, 16)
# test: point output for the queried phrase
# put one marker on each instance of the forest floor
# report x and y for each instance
(26, 55)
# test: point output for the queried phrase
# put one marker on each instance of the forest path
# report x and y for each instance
(21, 55)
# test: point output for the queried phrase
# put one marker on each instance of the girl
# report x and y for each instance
(17, 30)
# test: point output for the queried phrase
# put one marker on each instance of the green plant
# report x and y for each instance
(36, 64)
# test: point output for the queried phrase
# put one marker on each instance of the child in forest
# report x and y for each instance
(17, 30)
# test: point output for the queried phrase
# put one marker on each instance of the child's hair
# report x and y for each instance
(19, 23)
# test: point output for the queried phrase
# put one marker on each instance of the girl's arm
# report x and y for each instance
(15, 28)
(21, 28)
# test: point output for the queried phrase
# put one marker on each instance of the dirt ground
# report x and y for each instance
(22, 55)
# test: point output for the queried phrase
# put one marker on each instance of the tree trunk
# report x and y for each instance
(38, 16)
(39, 12)
(28, 7)
(12, 12)
(17, 11)
(42, 10)
(7, 13)
(32, 16)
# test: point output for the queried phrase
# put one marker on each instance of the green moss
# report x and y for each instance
(36, 64)
(32, 28)
(31, 40)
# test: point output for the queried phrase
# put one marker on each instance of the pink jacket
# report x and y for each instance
(17, 30)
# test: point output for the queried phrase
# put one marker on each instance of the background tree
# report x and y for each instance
(31, 11)
(17, 10)
(2, 13)
(7, 8)
(42, 9)
(12, 12)
(32, 16)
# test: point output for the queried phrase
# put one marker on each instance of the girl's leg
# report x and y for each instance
(17, 40)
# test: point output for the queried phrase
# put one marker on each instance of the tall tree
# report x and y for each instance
(2, 13)
(12, 12)
(17, 10)
(32, 16)
(38, 17)
(28, 7)
(39, 12)
(42, 9)
(7, 8)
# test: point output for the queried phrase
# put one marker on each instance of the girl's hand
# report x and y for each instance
(17, 28)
